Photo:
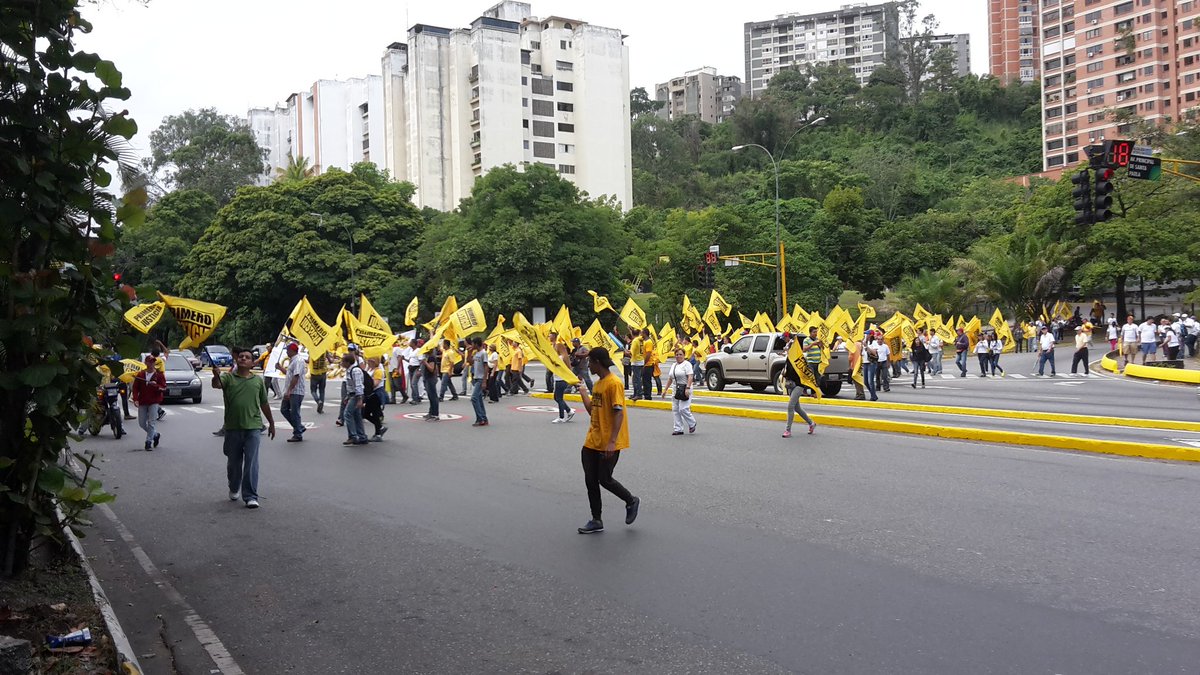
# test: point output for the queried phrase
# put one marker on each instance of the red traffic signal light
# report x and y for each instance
(710, 258)
(117, 277)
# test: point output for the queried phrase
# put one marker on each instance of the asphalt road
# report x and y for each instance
(448, 548)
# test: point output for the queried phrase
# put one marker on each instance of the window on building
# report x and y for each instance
(524, 81)
(1057, 160)
(545, 150)
(562, 44)
(1095, 67)
(534, 44)
(1072, 157)
(543, 86)
(565, 86)
(1096, 83)
(1122, 60)
(524, 124)
(543, 108)
(566, 148)
(565, 107)
(1092, 34)
(564, 66)
(566, 168)
(1056, 144)
(1052, 64)
(1095, 50)
(1051, 32)
(543, 129)
(1096, 100)
(526, 143)
(1123, 8)
(1128, 76)
(566, 128)
(524, 103)
(1092, 17)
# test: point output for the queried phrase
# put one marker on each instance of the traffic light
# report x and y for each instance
(710, 258)
(1082, 193)
(1102, 201)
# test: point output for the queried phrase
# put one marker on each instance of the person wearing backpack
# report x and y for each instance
(357, 384)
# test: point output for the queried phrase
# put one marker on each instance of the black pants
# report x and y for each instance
(985, 360)
(316, 385)
(647, 376)
(919, 369)
(1081, 356)
(431, 383)
(516, 382)
(373, 411)
(598, 472)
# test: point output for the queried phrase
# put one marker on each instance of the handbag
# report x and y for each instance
(681, 393)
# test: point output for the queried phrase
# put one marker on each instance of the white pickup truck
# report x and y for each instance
(758, 360)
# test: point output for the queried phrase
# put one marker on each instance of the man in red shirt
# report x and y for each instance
(148, 388)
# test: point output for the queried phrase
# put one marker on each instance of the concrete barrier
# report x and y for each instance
(1167, 374)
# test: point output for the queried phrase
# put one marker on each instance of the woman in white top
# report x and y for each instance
(1111, 334)
(983, 350)
(1170, 343)
(679, 378)
(997, 350)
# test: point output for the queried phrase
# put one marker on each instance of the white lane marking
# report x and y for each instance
(198, 411)
(208, 639)
(1194, 442)
(1058, 398)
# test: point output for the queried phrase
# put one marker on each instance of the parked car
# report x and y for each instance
(191, 358)
(216, 355)
(758, 360)
(182, 380)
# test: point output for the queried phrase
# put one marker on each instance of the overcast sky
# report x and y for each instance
(181, 54)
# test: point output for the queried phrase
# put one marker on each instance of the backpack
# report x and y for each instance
(919, 351)
(368, 382)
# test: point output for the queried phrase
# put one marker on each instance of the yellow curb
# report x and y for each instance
(1168, 374)
(1124, 448)
(1174, 425)
(1108, 363)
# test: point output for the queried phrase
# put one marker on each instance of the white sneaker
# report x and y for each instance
(557, 420)
(233, 496)
(570, 415)
(252, 504)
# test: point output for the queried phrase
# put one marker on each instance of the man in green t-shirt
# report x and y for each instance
(245, 405)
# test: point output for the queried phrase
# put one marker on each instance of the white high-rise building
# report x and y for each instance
(334, 123)
(858, 36)
(510, 89)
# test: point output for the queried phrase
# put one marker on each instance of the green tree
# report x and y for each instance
(524, 239)
(641, 104)
(55, 279)
(297, 169)
(204, 150)
(271, 245)
(940, 291)
(151, 254)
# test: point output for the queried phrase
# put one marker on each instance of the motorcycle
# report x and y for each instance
(106, 409)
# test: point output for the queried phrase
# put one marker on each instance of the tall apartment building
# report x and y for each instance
(333, 123)
(701, 93)
(857, 36)
(960, 45)
(1013, 40)
(509, 89)
(1140, 57)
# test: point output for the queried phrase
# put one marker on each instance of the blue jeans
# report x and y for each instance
(431, 394)
(637, 380)
(869, 370)
(290, 409)
(960, 360)
(477, 401)
(1046, 356)
(414, 383)
(354, 420)
(560, 390)
(241, 467)
(448, 383)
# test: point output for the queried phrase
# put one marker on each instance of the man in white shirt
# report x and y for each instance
(935, 354)
(1046, 352)
(415, 360)
(884, 352)
(1191, 330)
(294, 391)
(1149, 340)
(1129, 340)
(396, 366)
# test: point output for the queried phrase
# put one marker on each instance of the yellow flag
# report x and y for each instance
(866, 310)
(410, 314)
(144, 316)
(449, 307)
(600, 303)
(666, 343)
(595, 336)
(717, 304)
(633, 316)
(921, 315)
(498, 330)
(944, 331)
(746, 322)
(788, 324)
(372, 342)
(997, 322)
(808, 378)
(713, 323)
(702, 347)
(309, 330)
(468, 319)
(368, 315)
(540, 348)
(691, 315)
(131, 368)
(800, 316)
(892, 338)
(199, 319)
(562, 323)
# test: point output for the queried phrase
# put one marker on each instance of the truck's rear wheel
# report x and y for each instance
(831, 389)
(758, 387)
(714, 379)
(778, 384)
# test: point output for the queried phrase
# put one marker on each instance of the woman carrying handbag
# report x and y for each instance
(679, 377)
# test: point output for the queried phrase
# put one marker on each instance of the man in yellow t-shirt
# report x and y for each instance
(447, 371)
(607, 436)
(637, 355)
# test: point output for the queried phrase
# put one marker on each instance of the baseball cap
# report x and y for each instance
(352, 347)
(293, 348)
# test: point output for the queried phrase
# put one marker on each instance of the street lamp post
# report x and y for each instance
(353, 263)
(780, 268)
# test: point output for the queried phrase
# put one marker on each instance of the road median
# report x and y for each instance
(1123, 448)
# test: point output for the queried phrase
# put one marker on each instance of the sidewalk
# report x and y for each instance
(1188, 374)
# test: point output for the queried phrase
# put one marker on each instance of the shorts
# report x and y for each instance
(1149, 347)
(1129, 348)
